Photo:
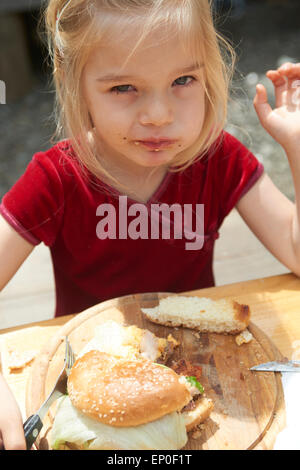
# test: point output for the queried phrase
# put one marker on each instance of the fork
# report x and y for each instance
(34, 423)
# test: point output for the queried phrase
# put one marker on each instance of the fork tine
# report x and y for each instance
(69, 355)
(72, 355)
(66, 351)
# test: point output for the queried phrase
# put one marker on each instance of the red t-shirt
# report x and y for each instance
(54, 202)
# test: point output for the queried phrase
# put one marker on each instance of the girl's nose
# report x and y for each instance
(157, 111)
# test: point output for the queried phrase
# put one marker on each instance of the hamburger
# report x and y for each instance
(127, 404)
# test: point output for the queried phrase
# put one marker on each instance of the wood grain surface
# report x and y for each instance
(249, 406)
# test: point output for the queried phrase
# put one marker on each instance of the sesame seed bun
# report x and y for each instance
(122, 392)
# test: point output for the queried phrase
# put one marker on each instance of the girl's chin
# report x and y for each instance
(153, 164)
(152, 158)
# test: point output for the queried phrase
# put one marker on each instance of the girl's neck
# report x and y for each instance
(138, 187)
(135, 181)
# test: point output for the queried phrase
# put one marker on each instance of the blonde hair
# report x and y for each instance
(74, 27)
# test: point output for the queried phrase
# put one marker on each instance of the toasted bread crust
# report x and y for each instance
(241, 312)
(233, 331)
(196, 416)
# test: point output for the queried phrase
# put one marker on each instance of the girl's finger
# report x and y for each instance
(276, 77)
(261, 103)
(14, 439)
(291, 71)
(280, 87)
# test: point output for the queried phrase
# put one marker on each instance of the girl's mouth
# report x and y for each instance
(155, 145)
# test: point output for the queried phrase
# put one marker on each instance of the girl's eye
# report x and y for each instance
(185, 80)
(121, 89)
(181, 81)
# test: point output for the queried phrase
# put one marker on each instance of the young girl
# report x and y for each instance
(141, 98)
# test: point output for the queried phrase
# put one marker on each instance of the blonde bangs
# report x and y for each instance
(86, 23)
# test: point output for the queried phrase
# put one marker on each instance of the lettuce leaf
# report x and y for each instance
(71, 425)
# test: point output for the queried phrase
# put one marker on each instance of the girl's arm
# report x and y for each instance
(273, 218)
(13, 251)
(11, 425)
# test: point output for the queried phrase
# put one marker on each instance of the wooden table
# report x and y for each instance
(274, 304)
(275, 308)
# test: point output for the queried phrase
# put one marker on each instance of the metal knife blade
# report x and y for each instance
(278, 366)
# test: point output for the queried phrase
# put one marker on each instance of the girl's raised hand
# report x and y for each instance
(282, 122)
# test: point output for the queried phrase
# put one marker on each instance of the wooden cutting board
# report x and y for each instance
(249, 406)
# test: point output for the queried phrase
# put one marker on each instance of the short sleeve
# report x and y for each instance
(34, 205)
(238, 170)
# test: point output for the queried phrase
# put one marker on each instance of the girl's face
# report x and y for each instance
(149, 110)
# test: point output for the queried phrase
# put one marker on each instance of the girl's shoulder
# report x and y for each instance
(225, 146)
(59, 153)
(227, 160)
(226, 156)
(60, 162)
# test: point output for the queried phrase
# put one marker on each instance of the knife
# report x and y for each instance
(278, 366)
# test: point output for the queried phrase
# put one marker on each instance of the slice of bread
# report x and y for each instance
(200, 413)
(200, 313)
